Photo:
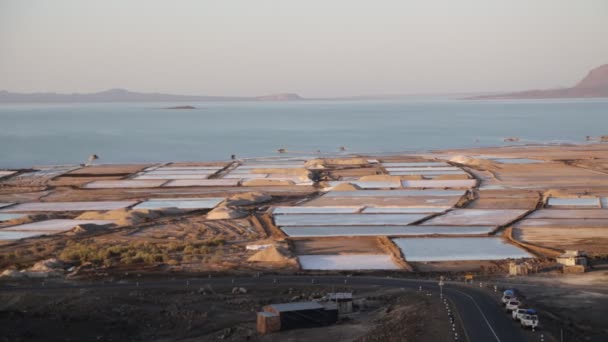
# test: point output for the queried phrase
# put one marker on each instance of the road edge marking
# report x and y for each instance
(481, 312)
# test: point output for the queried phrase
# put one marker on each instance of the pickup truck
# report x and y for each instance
(513, 304)
(518, 313)
(529, 320)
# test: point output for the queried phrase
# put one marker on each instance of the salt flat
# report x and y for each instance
(452, 249)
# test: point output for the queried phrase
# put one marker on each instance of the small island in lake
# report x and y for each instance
(181, 107)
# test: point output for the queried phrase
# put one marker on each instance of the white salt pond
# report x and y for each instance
(425, 173)
(246, 175)
(482, 217)
(69, 206)
(272, 166)
(424, 169)
(315, 210)
(201, 182)
(59, 225)
(9, 235)
(347, 262)
(395, 193)
(180, 203)
(127, 183)
(517, 161)
(347, 219)
(6, 173)
(173, 176)
(180, 172)
(416, 164)
(441, 183)
(8, 217)
(186, 168)
(458, 249)
(369, 184)
(573, 202)
(402, 210)
(329, 231)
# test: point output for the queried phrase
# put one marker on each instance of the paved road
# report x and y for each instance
(483, 319)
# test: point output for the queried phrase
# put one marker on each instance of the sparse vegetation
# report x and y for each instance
(140, 252)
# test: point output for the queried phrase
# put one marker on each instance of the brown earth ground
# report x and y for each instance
(208, 313)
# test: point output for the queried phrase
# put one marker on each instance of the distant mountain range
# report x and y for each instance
(123, 95)
(595, 84)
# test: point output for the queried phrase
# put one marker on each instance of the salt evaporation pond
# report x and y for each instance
(574, 202)
(402, 210)
(180, 203)
(8, 217)
(315, 210)
(517, 161)
(347, 219)
(347, 262)
(452, 249)
(9, 236)
(329, 231)
(394, 193)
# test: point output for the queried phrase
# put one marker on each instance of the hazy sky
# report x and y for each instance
(312, 47)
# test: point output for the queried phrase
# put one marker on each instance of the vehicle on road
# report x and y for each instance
(518, 313)
(507, 298)
(512, 305)
(529, 320)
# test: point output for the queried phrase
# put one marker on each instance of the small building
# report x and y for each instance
(516, 269)
(573, 258)
(268, 322)
(573, 261)
(295, 315)
(344, 301)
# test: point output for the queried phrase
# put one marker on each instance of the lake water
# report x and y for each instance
(33, 134)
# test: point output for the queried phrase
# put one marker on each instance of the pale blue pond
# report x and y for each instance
(8, 217)
(180, 203)
(347, 219)
(327, 231)
(395, 193)
(315, 210)
(453, 249)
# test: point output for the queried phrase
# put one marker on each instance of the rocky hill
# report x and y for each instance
(595, 84)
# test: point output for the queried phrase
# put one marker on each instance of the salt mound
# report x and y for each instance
(315, 164)
(347, 161)
(268, 182)
(270, 254)
(225, 213)
(125, 217)
(48, 265)
(247, 198)
(86, 228)
(345, 187)
(465, 160)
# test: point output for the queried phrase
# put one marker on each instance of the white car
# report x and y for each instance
(518, 313)
(507, 298)
(529, 320)
(512, 305)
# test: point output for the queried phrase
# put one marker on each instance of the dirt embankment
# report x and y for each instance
(532, 248)
(395, 252)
